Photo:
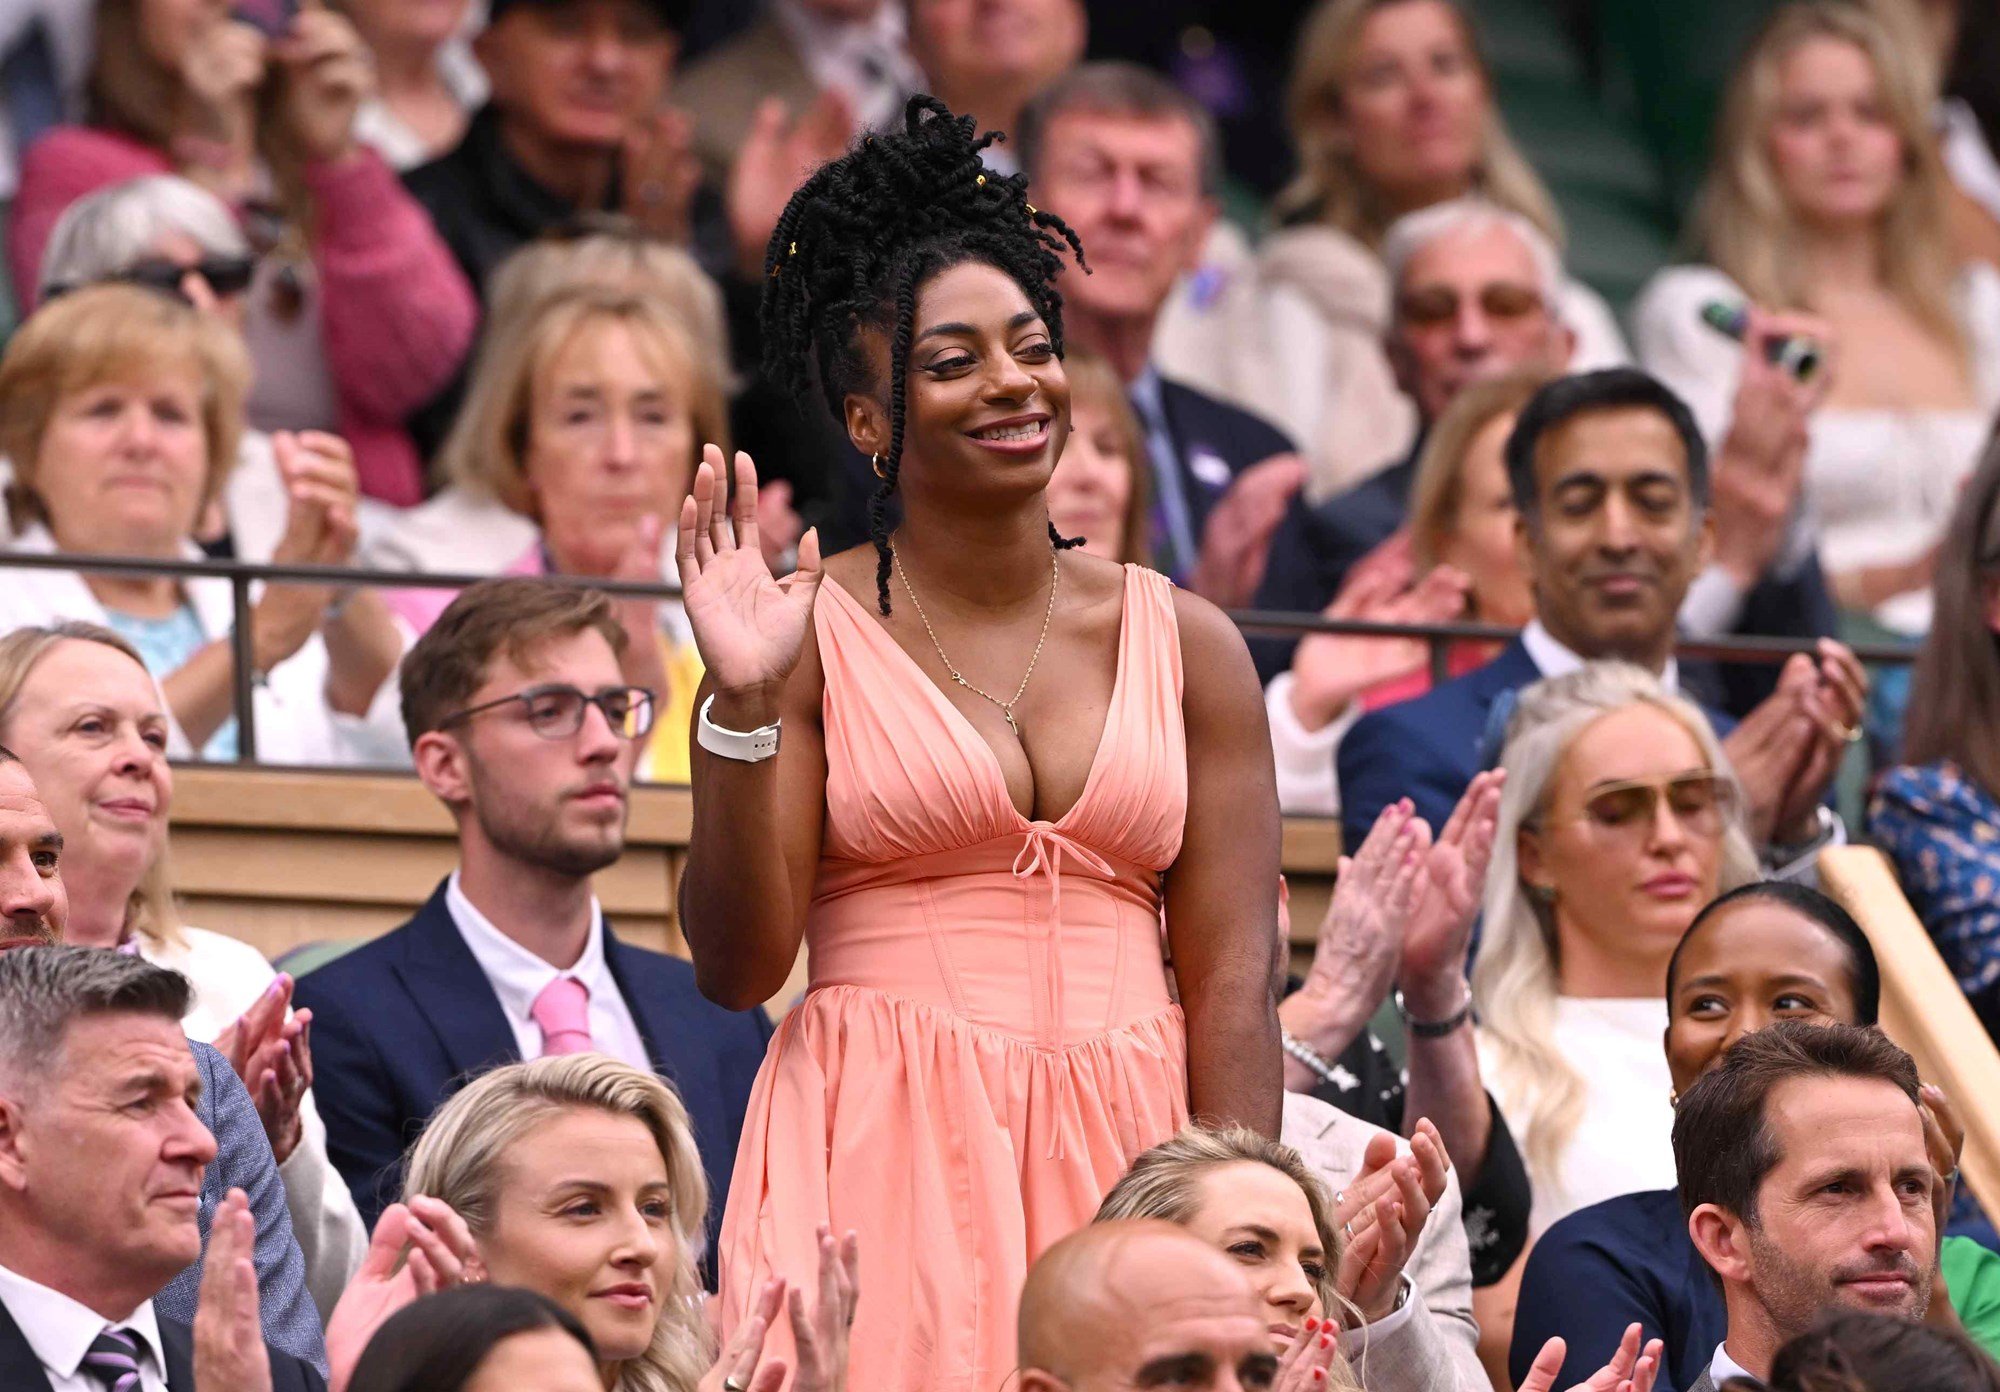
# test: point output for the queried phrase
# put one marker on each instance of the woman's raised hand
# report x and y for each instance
(822, 1335)
(419, 1248)
(742, 1366)
(749, 627)
(1629, 1370)
(1304, 1365)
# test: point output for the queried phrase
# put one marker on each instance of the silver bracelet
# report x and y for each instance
(1305, 1054)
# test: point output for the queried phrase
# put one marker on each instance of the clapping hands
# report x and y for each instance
(272, 1053)
(228, 1333)
(1787, 751)
(1382, 1214)
(1629, 1370)
(820, 1337)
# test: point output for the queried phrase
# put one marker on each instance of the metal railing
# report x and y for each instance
(241, 575)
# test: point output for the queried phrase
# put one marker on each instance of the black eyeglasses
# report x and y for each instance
(556, 712)
(226, 276)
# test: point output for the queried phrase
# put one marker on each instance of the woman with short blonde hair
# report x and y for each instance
(121, 411)
(1190, 1179)
(1620, 819)
(86, 719)
(576, 444)
(1827, 198)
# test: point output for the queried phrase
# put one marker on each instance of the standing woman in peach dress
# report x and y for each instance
(997, 762)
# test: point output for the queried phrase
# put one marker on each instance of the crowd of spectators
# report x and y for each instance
(475, 300)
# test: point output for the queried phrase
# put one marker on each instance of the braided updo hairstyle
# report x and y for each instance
(863, 233)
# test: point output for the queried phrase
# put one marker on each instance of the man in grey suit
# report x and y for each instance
(1807, 1186)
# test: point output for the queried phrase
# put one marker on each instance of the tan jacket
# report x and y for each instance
(1437, 1348)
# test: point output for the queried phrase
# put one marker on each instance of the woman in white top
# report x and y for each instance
(1391, 108)
(1827, 196)
(427, 83)
(1619, 821)
(85, 716)
(120, 408)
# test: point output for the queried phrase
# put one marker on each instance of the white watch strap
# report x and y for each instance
(750, 747)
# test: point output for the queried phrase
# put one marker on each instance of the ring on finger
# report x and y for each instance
(731, 1384)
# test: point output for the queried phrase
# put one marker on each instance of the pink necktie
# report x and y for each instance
(563, 1012)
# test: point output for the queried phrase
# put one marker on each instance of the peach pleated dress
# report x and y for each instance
(987, 1040)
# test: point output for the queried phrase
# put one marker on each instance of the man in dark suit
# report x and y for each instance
(1807, 1185)
(1611, 486)
(522, 722)
(1474, 290)
(1131, 163)
(102, 1157)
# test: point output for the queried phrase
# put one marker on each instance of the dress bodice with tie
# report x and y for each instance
(988, 1038)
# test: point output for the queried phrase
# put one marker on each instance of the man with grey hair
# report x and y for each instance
(1475, 290)
(1130, 162)
(102, 1160)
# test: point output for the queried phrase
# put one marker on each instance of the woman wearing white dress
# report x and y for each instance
(1828, 197)
(86, 718)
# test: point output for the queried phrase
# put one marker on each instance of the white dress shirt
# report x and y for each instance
(1723, 1367)
(517, 976)
(60, 1331)
(1553, 659)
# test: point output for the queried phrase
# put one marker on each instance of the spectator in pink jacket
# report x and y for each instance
(359, 313)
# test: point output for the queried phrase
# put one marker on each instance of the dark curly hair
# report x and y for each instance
(863, 233)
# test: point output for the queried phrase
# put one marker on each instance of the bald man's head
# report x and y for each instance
(1119, 1304)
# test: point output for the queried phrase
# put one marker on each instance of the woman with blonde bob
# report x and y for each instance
(1254, 1198)
(120, 411)
(578, 1178)
(1620, 819)
(1827, 202)
(85, 717)
(578, 441)
(1391, 110)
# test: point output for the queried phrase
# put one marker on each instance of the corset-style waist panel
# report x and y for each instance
(1027, 935)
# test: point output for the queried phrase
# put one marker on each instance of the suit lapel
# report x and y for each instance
(178, 1354)
(19, 1368)
(658, 1029)
(451, 993)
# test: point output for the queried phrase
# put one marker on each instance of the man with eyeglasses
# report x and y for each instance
(522, 723)
(1474, 288)
(1611, 486)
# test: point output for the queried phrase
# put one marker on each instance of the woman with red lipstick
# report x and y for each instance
(86, 719)
(969, 768)
(1619, 821)
(578, 1178)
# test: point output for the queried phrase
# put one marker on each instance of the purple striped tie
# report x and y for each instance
(113, 1359)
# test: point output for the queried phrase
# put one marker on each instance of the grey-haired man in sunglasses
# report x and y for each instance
(523, 724)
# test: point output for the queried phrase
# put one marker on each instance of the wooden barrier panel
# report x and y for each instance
(1923, 1009)
(281, 858)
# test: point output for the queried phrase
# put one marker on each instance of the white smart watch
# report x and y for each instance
(749, 747)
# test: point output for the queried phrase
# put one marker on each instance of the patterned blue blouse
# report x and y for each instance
(1942, 830)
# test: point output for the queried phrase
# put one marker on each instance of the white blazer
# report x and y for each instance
(294, 723)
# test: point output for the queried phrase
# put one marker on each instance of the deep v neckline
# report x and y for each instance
(963, 728)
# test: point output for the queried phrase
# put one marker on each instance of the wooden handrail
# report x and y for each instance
(1923, 1008)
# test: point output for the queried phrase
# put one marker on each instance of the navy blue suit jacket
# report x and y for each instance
(1316, 545)
(1208, 432)
(21, 1371)
(1628, 1260)
(401, 1023)
(1428, 748)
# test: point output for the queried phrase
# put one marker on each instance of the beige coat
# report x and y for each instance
(1436, 1349)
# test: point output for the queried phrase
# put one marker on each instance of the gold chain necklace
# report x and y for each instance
(1006, 707)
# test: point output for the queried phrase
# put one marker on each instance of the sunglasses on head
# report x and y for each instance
(226, 276)
(1500, 299)
(1700, 802)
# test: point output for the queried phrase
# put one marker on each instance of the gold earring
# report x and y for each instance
(875, 463)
